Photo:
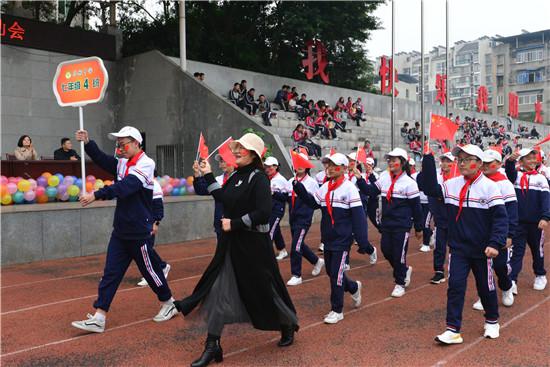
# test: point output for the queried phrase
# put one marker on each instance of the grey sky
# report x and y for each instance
(468, 20)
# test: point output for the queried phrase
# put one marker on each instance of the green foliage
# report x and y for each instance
(268, 152)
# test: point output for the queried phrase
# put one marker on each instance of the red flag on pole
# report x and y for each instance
(300, 162)
(442, 128)
(202, 151)
(547, 139)
(539, 155)
(361, 155)
(303, 150)
(226, 154)
(332, 151)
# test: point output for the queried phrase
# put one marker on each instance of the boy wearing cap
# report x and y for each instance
(279, 195)
(343, 219)
(478, 226)
(400, 208)
(300, 216)
(533, 212)
(373, 203)
(132, 226)
(492, 161)
(426, 214)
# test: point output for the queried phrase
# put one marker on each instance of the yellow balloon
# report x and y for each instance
(24, 185)
(6, 199)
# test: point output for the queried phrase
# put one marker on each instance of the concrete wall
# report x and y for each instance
(29, 105)
(221, 79)
(59, 230)
(172, 107)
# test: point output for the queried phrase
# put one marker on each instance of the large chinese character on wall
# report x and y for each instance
(316, 61)
(386, 82)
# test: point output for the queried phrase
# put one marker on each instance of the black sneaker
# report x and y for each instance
(438, 277)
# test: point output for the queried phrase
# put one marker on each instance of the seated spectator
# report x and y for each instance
(25, 151)
(303, 102)
(337, 118)
(360, 108)
(249, 102)
(348, 104)
(299, 136)
(313, 123)
(354, 114)
(341, 104)
(329, 128)
(321, 108)
(66, 152)
(415, 147)
(506, 148)
(235, 94)
(265, 110)
(404, 130)
(293, 94)
(280, 98)
(244, 90)
(201, 77)
(293, 104)
(196, 75)
(534, 133)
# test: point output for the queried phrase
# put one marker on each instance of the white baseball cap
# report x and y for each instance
(448, 155)
(412, 162)
(398, 152)
(370, 161)
(352, 156)
(338, 159)
(526, 151)
(127, 132)
(271, 161)
(469, 149)
(491, 155)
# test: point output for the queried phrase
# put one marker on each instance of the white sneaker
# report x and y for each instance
(540, 282)
(166, 270)
(374, 257)
(478, 306)
(294, 281)
(408, 276)
(167, 311)
(318, 267)
(333, 317)
(514, 288)
(91, 324)
(356, 297)
(492, 331)
(398, 291)
(282, 254)
(322, 247)
(449, 337)
(508, 298)
(347, 267)
(425, 248)
(143, 282)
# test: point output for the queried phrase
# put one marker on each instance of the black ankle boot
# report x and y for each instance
(212, 352)
(287, 335)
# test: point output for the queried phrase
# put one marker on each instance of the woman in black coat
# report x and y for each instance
(242, 282)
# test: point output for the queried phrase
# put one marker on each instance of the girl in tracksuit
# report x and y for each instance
(279, 196)
(478, 226)
(426, 214)
(299, 218)
(492, 162)
(400, 206)
(533, 212)
(343, 219)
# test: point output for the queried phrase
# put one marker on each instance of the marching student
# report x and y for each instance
(299, 218)
(400, 208)
(321, 178)
(426, 214)
(492, 161)
(373, 202)
(158, 214)
(533, 214)
(201, 188)
(132, 226)
(343, 219)
(279, 197)
(439, 210)
(478, 226)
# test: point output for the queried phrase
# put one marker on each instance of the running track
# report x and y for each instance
(39, 301)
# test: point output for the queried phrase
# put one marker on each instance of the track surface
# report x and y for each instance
(39, 301)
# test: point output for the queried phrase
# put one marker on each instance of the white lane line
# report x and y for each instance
(481, 338)
(95, 272)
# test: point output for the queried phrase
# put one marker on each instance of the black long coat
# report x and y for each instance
(246, 198)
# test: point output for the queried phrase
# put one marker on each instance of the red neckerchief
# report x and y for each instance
(132, 162)
(332, 185)
(271, 176)
(445, 177)
(524, 182)
(390, 190)
(463, 192)
(413, 170)
(497, 176)
(350, 175)
(293, 192)
(225, 177)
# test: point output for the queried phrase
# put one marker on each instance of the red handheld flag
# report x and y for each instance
(539, 155)
(543, 140)
(203, 149)
(442, 128)
(497, 148)
(427, 149)
(332, 151)
(226, 154)
(361, 155)
(303, 150)
(300, 162)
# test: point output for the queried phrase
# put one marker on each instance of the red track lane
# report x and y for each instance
(40, 300)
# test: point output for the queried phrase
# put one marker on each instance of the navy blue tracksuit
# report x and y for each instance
(348, 221)
(483, 222)
(279, 197)
(158, 215)
(300, 216)
(533, 205)
(132, 225)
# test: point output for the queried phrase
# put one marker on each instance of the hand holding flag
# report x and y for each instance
(202, 150)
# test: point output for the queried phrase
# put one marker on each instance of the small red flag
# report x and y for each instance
(543, 140)
(361, 155)
(203, 149)
(226, 154)
(497, 148)
(264, 151)
(332, 151)
(442, 128)
(539, 156)
(300, 162)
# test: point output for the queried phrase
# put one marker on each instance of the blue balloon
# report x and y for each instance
(78, 182)
(18, 197)
(51, 192)
(175, 191)
(60, 176)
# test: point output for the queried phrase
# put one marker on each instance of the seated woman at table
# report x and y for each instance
(25, 151)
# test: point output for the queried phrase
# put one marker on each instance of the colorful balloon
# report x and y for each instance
(40, 191)
(190, 180)
(18, 197)
(73, 198)
(29, 195)
(91, 179)
(42, 181)
(41, 199)
(53, 181)
(33, 183)
(3, 189)
(73, 190)
(175, 191)
(89, 186)
(24, 186)
(98, 184)
(108, 182)
(183, 190)
(190, 190)
(68, 180)
(63, 197)
(3, 180)
(60, 176)
(51, 191)
(12, 187)
(6, 199)
(78, 183)
(61, 189)
(46, 174)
